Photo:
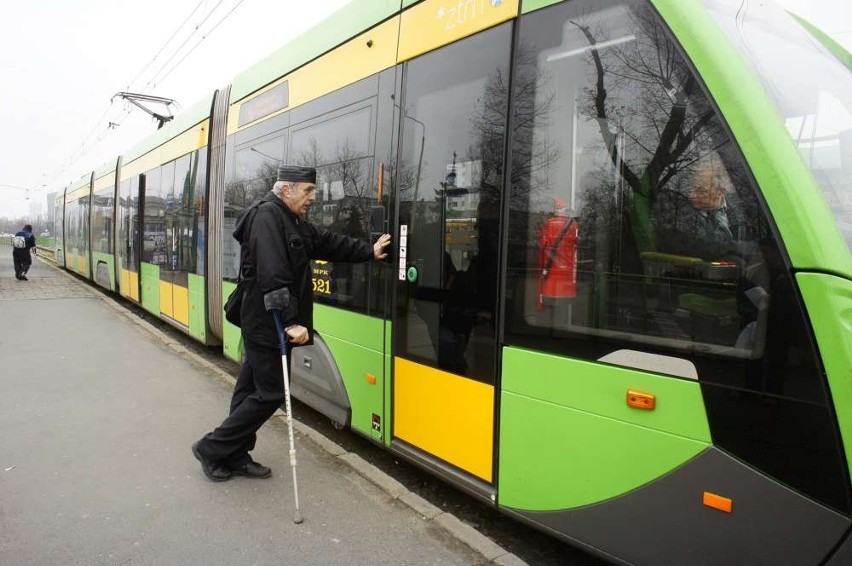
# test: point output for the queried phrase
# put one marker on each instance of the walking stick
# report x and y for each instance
(283, 341)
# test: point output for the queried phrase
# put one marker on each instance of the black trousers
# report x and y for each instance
(22, 260)
(258, 393)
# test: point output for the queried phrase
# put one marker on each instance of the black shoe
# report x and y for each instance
(18, 276)
(252, 470)
(24, 278)
(211, 469)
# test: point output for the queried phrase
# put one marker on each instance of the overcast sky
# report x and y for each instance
(61, 61)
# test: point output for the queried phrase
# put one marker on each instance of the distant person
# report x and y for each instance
(276, 246)
(698, 225)
(23, 241)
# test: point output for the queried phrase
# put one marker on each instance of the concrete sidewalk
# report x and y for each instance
(98, 410)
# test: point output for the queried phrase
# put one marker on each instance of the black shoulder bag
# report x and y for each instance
(234, 304)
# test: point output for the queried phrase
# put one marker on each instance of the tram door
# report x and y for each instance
(449, 182)
(178, 253)
(129, 235)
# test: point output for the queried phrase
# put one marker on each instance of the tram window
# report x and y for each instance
(58, 226)
(180, 210)
(255, 170)
(339, 145)
(810, 89)
(250, 176)
(668, 248)
(76, 226)
(70, 226)
(333, 139)
(197, 203)
(450, 188)
(84, 211)
(83, 234)
(154, 235)
(129, 231)
(102, 222)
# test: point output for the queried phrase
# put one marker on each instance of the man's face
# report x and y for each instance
(709, 186)
(299, 197)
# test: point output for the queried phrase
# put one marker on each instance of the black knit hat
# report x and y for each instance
(296, 174)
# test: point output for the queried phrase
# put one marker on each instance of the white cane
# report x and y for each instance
(283, 340)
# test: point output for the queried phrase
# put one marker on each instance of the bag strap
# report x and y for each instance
(551, 257)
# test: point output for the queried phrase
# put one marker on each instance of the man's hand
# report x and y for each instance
(380, 245)
(298, 334)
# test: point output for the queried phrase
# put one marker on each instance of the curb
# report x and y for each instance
(457, 528)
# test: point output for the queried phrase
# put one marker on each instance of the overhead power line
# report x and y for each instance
(205, 36)
(185, 41)
(104, 127)
(154, 58)
(95, 136)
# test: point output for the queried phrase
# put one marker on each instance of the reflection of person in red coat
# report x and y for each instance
(557, 256)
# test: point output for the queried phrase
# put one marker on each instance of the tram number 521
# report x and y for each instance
(321, 277)
(322, 286)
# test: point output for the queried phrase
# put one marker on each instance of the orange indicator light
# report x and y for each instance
(718, 502)
(371, 379)
(639, 400)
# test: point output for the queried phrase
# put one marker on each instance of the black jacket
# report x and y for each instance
(276, 247)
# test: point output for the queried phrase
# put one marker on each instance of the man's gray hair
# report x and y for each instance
(278, 188)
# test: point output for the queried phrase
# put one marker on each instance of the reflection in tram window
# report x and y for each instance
(450, 175)
(174, 206)
(102, 221)
(128, 235)
(671, 249)
(339, 146)
(251, 175)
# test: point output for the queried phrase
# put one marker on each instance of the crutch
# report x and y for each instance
(283, 341)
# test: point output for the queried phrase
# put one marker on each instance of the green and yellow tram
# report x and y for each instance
(619, 302)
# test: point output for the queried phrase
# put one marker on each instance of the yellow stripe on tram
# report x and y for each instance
(166, 298)
(434, 23)
(446, 415)
(180, 304)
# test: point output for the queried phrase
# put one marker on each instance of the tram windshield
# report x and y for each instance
(810, 88)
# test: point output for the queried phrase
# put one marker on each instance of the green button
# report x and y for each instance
(411, 274)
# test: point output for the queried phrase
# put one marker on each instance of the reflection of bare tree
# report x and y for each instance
(489, 128)
(236, 194)
(401, 182)
(652, 118)
(311, 155)
(240, 193)
(531, 161)
(345, 168)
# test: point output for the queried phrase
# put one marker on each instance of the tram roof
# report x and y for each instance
(350, 20)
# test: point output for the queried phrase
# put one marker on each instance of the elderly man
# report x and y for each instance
(276, 246)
